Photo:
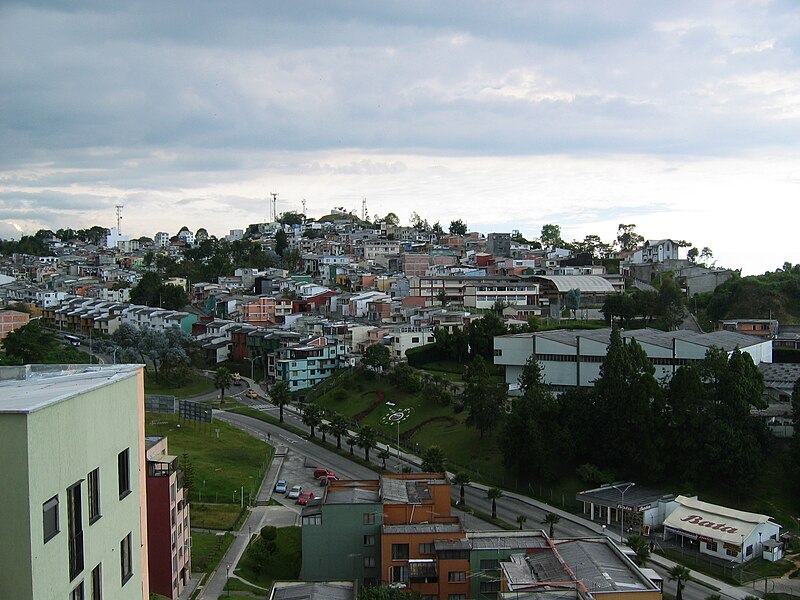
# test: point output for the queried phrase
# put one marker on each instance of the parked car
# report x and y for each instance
(295, 492)
(323, 472)
(305, 497)
(251, 393)
(280, 487)
(326, 479)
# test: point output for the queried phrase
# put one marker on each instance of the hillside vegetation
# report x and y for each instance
(775, 294)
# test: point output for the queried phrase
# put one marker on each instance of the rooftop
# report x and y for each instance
(30, 388)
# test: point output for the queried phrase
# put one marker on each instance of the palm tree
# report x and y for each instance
(640, 545)
(521, 519)
(338, 427)
(552, 520)
(383, 455)
(324, 428)
(312, 416)
(433, 459)
(351, 441)
(280, 395)
(461, 479)
(680, 574)
(366, 439)
(493, 494)
(222, 381)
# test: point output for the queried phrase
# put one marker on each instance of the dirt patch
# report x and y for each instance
(406, 435)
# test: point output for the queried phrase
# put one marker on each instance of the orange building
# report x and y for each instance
(11, 320)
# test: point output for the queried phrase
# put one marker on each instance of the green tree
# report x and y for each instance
(641, 546)
(377, 357)
(692, 254)
(312, 416)
(29, 344)
(366, 440)
(458, 227)
(291, 218)
(383, 455)
(338, 427)
(351, 441)
(375, 592)
(461, 479)
(681, 575)
(494, 494)
(281, 396)
(627, 238)
(391, 219)
(147, 290)
(185, 465)
(572, 300)
(222, 381)
(483, 398)
(280, 242)
(551, 520)
(433, 459)
(551, 236)
(521, 519)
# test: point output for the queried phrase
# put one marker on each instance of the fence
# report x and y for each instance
(160, 404)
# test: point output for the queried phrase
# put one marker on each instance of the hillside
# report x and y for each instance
(775, 295)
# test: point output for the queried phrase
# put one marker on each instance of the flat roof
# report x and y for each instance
(30, 388)
(635, 497)
(424, 528)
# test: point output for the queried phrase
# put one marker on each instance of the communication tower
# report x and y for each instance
(119, 208)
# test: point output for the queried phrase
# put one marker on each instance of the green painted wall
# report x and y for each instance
(335, 549)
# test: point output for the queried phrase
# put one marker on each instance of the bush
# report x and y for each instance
(589, 473)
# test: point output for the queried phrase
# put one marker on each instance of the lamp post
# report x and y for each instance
(114, 355)
(741, 567)
(760, 547)
(252, 361)
(617, 486)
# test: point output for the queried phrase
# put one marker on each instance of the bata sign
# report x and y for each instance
(701, 522)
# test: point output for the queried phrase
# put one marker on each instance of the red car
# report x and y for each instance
(305, 497)
(323, 472)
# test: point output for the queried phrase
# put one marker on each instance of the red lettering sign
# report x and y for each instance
(701, 522)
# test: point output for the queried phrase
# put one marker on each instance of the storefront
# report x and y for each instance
(718, 531)
(644, 509)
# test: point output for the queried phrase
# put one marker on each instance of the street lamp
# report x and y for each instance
(741, 567)
(617, 487)
(252, 361)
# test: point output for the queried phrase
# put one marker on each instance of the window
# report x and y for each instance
(369, 540)
(711, 546)
(490, 587)
(369, 562)
(125, 563)
(730, 552)
(97, 583)
(489, 563)
(93, 487)
(77, 593)
(426, 549)
(456, 597)
(75, 530)
(312, 520)
(399, 574)
(749, 550)
(498, 352)
(369, 518)
(457, 577)
(50, 518)
(124, 472)
(399, 551)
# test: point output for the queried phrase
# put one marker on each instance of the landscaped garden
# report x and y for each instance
(269, 559)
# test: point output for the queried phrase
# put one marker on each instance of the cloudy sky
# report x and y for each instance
(680, 117)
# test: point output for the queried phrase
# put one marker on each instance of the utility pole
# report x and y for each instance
(274, 206)
(119, 208)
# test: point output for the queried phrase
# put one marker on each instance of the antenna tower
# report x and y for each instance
(304, 207)
(364, 216)
(119, 208)
(274, 206)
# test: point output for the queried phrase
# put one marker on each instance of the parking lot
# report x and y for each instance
(295, 472)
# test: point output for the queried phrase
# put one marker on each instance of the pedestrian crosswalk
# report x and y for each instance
(261, 406)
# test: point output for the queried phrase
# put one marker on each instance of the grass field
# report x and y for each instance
(215, 516)
(208, 549)
(284, 564)
(198, 384)
(223, 462)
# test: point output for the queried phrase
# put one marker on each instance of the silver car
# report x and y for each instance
(294, 493)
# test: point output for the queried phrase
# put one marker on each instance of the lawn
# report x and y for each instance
(224, 459)
(198, 384)
(215, 516)
(208, 549)
(284, 564)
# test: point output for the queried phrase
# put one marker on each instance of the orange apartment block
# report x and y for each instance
(10, 320)
(266, 310)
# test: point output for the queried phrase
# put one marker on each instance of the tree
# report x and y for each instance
(351, 441)
(222, 381)
(280, 242)
(483, 398)
(627, 238)
(551, 519)
(377, 357)
(185, 465)
(281, 395)
(458, 227)
(641, 546)
(681, 575)
(441, 296)
(521, 520)
(383, 455)
(291, 218)
(692, 254)
(433, 459)
(383, 592)
(391, 219)
(418, 222)
(706, 254)
(551, 236)
(493, 494)
(29, 344)
(338, 427)
(437, 228)
(572, 300)
(366, 440)
(461, 479)
(146, 291)
(324, 429)
(312, 416)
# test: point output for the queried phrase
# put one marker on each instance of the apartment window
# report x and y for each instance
(749, 550)
(93, 488)
(77, 593)
(400, 575)
(97, 583)
(490, 587)
(456, 577)
(50, 518)
(399, 551)
(498, 352)
(369, 562)
(426, 549)
(312, 520)
(490, 563)
(125, 563)
(730, 552)
(124, 472)
(456, 597)
(369, 518)
(369, 540)
(75, 530)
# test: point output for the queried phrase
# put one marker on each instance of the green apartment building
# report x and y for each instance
(74, 522)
